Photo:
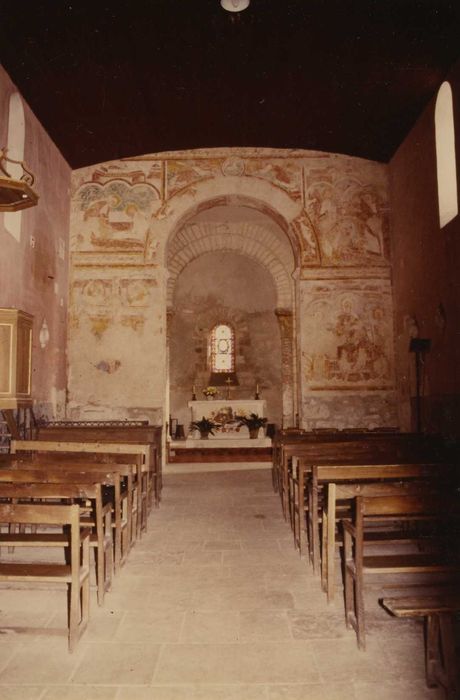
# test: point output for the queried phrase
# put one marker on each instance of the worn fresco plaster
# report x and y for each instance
(346, 335)
(332, 209)
(351, 409)
(347, 353)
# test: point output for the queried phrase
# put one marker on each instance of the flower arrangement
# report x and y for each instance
(210, 391)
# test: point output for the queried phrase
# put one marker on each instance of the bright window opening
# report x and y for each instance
(222, 349)
(445, 155)
(16, 138)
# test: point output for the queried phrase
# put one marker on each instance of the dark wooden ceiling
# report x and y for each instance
(110, 79)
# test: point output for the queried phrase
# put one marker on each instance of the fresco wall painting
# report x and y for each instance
(334, 210)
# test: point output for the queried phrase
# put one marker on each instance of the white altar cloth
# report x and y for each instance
(223, 412)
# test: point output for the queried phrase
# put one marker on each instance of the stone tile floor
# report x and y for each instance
(213, 604)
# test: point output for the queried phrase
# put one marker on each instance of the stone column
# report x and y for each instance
(169, 319)
(286, 324)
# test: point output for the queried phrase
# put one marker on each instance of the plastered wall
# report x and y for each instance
(334, 307)
(34, 258)
(426, 276)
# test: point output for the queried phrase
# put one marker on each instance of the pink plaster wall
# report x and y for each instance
(34, 270)
(426, 276)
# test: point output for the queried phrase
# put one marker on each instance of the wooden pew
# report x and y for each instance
(351, 452)
(74, 575)
(137, 432)
(99, 520)
(126, 492)
(337, 447)
(441, 510)
(399, 448)
(282, 437)
(344, 483)
(109, 475)
(140, 454)
(322, 476)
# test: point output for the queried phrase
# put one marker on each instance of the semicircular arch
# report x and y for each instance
(234, 191)
(249, 239)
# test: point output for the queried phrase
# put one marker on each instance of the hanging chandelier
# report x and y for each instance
(234, 5)
(15, 194)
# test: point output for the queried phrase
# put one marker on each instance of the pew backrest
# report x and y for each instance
(143, 450)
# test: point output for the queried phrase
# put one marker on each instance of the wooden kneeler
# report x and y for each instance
(75, 574)
(438, 610)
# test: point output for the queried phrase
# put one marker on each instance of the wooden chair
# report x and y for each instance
(441, 511)
(75, 574)
(98, 518)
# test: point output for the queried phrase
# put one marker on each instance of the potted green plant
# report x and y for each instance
(205, 426)
(253, 422)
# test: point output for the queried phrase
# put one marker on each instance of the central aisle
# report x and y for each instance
(215, 604)
(217, 584)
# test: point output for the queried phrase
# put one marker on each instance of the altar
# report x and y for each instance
(223, 413)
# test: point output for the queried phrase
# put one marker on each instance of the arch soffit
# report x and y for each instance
(236, 191)
(201, 239)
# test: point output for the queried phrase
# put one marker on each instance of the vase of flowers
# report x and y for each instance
(205, 426)
(253, 422)
(210, 392)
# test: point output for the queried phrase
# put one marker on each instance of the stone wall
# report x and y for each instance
(329, 211)
(34, 258)
(225, 287)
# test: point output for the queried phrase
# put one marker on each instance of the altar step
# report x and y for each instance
(180, 453)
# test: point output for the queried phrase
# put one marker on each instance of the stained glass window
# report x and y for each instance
(222, 349)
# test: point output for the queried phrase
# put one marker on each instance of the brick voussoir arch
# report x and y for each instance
(197, 239)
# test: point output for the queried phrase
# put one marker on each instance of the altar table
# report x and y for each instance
(224, 412)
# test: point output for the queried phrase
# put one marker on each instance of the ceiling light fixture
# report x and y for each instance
(234, 5)
(15, 194)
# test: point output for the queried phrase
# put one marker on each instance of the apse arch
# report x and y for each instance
(240, 225)
(266, 237)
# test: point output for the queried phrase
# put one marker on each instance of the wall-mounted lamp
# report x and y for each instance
(44, 335)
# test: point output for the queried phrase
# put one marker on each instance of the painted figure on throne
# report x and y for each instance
(354, 348)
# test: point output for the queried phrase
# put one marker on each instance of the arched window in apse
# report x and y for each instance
(222, 348)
